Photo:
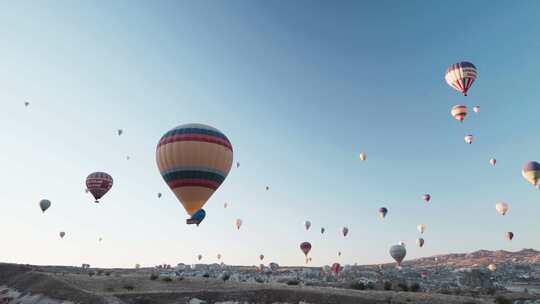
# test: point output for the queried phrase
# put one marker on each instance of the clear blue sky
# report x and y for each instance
(300, 88)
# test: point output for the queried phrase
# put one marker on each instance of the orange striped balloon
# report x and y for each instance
(194, 160)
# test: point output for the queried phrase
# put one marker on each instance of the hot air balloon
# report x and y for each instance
(99, 183)
(62, 234)
(261, 257)
(492, 267)
(336, 268)
(128, 157)
(100, 239)
(476, 109)
(382, 212)
(307, 225)
(421, 228)
(339, 253)
(273, 266)
(237, 164)
(426, 197)
(199, 257)
(509, 235)
(461, 76)
(225, 205)
(194, 160)
(306, 248)
(44, 204)
(468, 139)
(362, 156)
(531, 172)
(459, 112)
(120, 131)
(197, 217)
(238, 223)
(26, 103)
(493, 162)
(398, 253)
(420, 242)
(345, 231)
(267, 188)
(322, 230)
(502, 208)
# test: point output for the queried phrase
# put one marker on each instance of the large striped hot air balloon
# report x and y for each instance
(461, 76)
(99, 183)
(194, 160)
(459, 112)
(531, 172)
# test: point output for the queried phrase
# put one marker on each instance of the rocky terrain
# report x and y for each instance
(452, 278)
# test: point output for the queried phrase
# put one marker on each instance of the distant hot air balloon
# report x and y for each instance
(345, 231)
(100, 239)
(306, 248)
(426, 197)
(509, 235)
(120, 131)
(382, 212)
(128, 157)
(493, 162)
(197, 217)
(225, 205)
(362, 156)
(219, 256)
(194, 160)
(62, 234)
(261, 257)
(421, 228)
(237, 164)
(502, 208)
(468, 139)
(476, 109)
(420, 242)
(307, 225)
(459, 112)
(99, 183)
(44, 204)
(267, 188)
(461, 76)
(492, 267)
(339, 253)
(322, 230)
(398, 253)
(531, 172)
(238, 223)
(273, 266)
(159, 195)
(199, 257)
(336, 268)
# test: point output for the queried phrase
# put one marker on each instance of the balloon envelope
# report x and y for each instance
(194, 160)
(305, 247)
(99, 183)
(461, 76)
(531, 172)
(459, 112)
(426, 197)
(362, 156)
(493, 161)
(398, 253)
(502, 208)
(421, 228)
(382, 212)
(468, 139)
(44, 204)
(62, 234)
(322, 230)
(307, 225)
(420, 242)
(345, 231)
(509, 235)
(336, 268)
(238, 223)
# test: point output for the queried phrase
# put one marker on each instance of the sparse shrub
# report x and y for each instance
(91, 273)
(128, 286)
(358, 285)
(415, 287)
(293, 282)
(491, 291)
(166, 279)
(107, 273)
(206, 275)
(109, 289)
(180, 278)
(387, 285)
(153, 277)
(370, 285)
(403, 286)
(502, 300)
(100, 272)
